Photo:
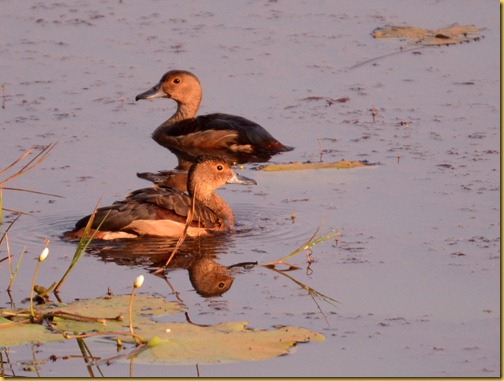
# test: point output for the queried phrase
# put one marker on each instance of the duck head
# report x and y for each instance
(209, 173)
(180, 85)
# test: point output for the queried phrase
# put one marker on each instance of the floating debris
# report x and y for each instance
(456, 34)
(297, 166)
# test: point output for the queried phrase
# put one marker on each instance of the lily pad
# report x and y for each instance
(111, 313)
(454, 34)
(167, 343)
(12, 336)
(93, 315)
(179, 343)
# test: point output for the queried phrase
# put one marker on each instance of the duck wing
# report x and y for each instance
(152, 204)
(218, 130)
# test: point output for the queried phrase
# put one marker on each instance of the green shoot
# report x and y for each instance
(14, 275)
(312, 241)
(84, 242)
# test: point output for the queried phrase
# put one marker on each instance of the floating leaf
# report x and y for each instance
(297, 166)
(107, 310)
(168, 343)
(11, 336)
(455, 34)
(181, 343)
(94, 315)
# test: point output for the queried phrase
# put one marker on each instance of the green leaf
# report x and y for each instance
(181, 343)
(167, 343)
(25, 333)
(110, 308)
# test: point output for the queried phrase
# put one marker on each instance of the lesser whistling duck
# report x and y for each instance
(162, 212)
(174, 178)
(188, 135)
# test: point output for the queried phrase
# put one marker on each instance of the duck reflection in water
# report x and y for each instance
(199, 257)
(205, 146)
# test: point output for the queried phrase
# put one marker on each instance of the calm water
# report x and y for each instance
(417, 265)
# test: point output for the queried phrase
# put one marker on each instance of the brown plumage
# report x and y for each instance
(189, 136)
(162, 211)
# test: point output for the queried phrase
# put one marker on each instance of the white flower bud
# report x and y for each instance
(139, 281)
(43, 254)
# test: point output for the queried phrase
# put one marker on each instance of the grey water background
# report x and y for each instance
(417, 266)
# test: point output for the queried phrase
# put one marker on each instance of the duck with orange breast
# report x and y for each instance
(162, 211)
(188, 135)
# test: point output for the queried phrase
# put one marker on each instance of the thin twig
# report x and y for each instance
(385, 56)
(16, 211)
(190, 214)
(312, 241)
(8, 228)
(32, 191)
(17, 161)
(38, 159)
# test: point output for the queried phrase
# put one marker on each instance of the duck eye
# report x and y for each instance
(176, 80)
(219, 167)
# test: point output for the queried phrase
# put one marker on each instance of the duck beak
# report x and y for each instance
(155, 92)
(239, 179)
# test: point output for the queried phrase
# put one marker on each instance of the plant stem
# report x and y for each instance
(84, 242)
(32, 312)
(13, 276)
(131, 313)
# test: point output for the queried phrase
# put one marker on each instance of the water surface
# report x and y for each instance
(417, 264)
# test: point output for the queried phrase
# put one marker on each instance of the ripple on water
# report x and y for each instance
(269, 222)
(256, 226)
(33, 229)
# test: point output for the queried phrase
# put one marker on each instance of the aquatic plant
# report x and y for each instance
(314, 240)
(84, 242)
(169, 343)
(31, 164)
(42, 257)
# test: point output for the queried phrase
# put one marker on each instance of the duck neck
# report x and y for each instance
(184, 111)
(216, 204)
